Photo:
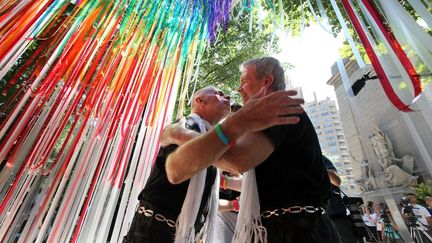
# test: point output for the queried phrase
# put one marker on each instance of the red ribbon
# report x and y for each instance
(385, 82)
(403, 58)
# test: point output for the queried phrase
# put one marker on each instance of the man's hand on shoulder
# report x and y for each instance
(261, 112)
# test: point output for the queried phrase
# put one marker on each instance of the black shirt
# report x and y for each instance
(336, 206)
(294, 173)
(160, 192)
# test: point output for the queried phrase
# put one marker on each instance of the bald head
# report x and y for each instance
(210, 104)
(200, 94)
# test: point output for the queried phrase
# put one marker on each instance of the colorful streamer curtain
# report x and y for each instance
(86, 88)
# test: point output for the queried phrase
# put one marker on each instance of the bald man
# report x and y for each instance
(160, 201)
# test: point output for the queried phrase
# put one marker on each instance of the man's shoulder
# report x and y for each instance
(418, 206)
(420, 209)
(276, 129)
(423, 208)
(165, 151)
(276, 134)
(191, 124)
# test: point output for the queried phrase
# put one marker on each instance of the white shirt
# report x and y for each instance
(369, 220)
(380, 223)
(421, 213)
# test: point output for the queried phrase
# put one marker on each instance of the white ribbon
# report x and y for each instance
(422, 11)
(185, 230)
(327, 27)
(398, 77)
(249, 225)
(345, 30)
(408, 32)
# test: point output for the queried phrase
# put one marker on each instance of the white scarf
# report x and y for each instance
(249, 225)
(185, 230)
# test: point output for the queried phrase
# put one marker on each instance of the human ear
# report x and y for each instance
(200, 100)
(268, 81)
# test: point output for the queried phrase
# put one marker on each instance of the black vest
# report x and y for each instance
(169, 197)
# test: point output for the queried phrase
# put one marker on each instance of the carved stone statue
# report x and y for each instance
(383, 148)
(367, 184)
(366, 170)
(393, 174)
(367, 181)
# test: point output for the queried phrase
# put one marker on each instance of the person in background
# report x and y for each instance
(422, 215)
(428, 200)
(229, 206)
(369, 217)
(336, 209)
(378, 222)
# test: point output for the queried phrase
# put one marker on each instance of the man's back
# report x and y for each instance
(294, 173)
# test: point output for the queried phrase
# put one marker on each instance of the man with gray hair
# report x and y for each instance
(292, 185)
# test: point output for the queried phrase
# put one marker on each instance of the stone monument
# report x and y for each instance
(395, 171)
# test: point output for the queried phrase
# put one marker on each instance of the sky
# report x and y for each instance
(312, 54)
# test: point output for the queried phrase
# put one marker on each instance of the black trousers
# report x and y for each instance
(372, 234)
(149, 230)
(301, 227)
(345, 229)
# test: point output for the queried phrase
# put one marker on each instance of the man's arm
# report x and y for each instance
(225, 205)
(250, 151)
(427, 215)
(429, 220)
(334, 178)
(231, 182)
(256, 115)
(177, 134)
(332, 172)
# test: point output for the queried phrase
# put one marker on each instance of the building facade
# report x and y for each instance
(326, 120)
(410, 133)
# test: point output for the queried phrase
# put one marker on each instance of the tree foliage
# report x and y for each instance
(423, 190)
(236, 44)
(220, 63)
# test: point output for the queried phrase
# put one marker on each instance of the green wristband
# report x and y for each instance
(221, 135)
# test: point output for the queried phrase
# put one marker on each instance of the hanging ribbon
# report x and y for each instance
(345, 31)
(385, 82)
(395, 46)
(420, 8)
(408, 31)
(327, 28)
(97, 81)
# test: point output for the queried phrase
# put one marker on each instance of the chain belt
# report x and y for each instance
(149, 213)
(293, 209)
